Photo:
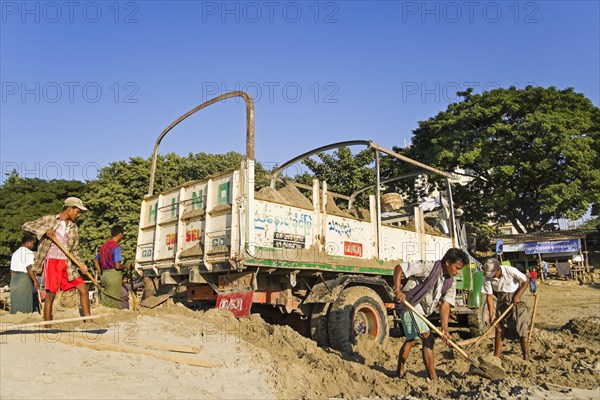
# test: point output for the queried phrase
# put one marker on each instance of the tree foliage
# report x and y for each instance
(534, 154)
(23, 200)
(343, 171)
(593, 223)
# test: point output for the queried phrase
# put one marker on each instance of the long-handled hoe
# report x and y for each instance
(483, 368)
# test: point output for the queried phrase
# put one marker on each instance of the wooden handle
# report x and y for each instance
(39, 298)
(178, 348)
(436, 330)
(535, 301)
(493, 325)
(470, 341)
(485, 368)
(132, 293)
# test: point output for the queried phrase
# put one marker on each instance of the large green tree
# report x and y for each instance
(534, 154)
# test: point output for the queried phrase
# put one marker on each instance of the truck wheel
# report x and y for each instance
(479, 321)
(358, 312)
(476, 324)
(318, 324)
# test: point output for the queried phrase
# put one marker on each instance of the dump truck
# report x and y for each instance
(297, 254)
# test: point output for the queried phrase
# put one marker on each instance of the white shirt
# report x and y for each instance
(509, 282)
(21, 259)
(416, 273)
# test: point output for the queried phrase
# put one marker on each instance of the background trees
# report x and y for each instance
(24, 200)
(534, 154)
(343, 171)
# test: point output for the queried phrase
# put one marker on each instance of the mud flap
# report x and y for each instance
(239, 303)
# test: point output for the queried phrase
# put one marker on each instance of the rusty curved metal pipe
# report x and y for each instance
(249, 129)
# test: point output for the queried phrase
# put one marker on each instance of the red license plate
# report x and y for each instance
(353, 249)
(239, 303)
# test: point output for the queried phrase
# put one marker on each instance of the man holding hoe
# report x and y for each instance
(508, 285)
(59, 271)
(428, 284)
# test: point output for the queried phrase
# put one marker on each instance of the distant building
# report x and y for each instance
(528, 249)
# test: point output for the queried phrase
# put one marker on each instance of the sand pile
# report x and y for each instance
(268, 194)
(288, 194)
(333, 209)
(584, 326)
(294, 197)
(258, 360)
(296, 368)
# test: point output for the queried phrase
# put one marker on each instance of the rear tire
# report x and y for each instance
(358, 312)
(318, 324)
(479, 321)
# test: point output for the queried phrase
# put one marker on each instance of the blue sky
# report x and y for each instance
(88, 83)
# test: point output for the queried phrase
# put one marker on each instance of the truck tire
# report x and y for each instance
(318, 324)
(479, 321)
(477, 326)
(358, 311)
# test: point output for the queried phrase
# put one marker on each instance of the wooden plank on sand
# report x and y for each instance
(136, 350)
(178, 348)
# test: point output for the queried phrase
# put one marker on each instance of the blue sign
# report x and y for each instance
(557, 246)
(499, 249)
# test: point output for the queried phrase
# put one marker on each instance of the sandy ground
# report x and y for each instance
(259, 361)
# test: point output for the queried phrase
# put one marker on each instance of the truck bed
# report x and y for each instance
(222, 224)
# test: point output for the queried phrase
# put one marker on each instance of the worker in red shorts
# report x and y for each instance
(58, 270)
